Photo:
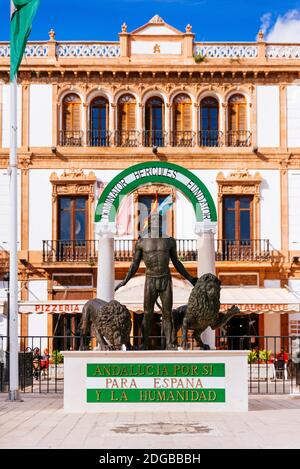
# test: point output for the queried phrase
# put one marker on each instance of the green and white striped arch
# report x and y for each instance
(153, 172)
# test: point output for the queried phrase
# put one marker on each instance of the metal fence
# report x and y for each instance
(273, 361)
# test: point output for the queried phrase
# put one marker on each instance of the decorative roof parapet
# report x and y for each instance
(105, 50)
(224, 51)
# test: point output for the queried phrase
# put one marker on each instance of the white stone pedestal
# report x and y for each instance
(179, 381)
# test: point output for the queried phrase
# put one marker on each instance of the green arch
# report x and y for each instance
(153, 172)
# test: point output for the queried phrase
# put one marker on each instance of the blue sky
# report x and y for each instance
(212, 20)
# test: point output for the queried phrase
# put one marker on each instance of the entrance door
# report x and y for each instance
(238, 330)
(237, 228)
(66, 331)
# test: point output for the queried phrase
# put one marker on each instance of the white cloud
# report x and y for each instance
(285, 29)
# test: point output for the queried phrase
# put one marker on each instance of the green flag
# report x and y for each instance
(22, 14)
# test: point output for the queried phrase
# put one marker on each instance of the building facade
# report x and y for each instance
(227, 112)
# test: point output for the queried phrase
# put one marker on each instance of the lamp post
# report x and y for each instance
(6, 287)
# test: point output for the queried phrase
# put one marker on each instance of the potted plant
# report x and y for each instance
(252, 356)
(264, 356)
(57, 366)
(199, 58)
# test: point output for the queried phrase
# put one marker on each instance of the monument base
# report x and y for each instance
(187, 381)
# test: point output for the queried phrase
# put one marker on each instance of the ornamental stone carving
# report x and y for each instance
(240, 182)
(73, 182)
(156, 20)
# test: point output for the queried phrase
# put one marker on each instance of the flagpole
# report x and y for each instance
(13, 394)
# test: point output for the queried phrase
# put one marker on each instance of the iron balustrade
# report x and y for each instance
(127, 138)
(154, 138)
(158, 138)
(255, 250)
(243, 250)
(98, 138)
(238, 138)
(273, 364)
(182, 138)
(71, 138)
(210, 138)
(70, 251)
(87, 250)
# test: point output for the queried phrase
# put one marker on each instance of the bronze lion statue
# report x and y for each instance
(109, 321)
(202, 310)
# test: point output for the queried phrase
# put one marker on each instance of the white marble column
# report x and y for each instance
(206, 263)
(106, 261)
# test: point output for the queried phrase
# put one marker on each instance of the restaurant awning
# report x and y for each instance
(248, 299)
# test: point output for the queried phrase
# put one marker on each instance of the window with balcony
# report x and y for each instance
(210, 136)
(71, 133)
(183, 136)
(237, 227)
(72, 228)
(98, 135)
(126, 134)
(154, 123)
(238, 134)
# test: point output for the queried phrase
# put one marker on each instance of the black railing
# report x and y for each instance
(87, 250)
(127, 138)
(243, 250)
(71, 138)
(98, 138)
(210, 138)
(182, 138)
(273, 361)
(70, 251)
(154, 138)
(238, 138)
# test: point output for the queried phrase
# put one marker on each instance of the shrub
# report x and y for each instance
(199, 58)
(58, 358)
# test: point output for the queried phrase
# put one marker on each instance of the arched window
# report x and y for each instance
(71, 133)
(99, 112)
(182, 121)
(238, 134)
(154, 123)
(209, 122)
(127, 135)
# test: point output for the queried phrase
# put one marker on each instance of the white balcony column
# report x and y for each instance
(106, 261)
(206, 263)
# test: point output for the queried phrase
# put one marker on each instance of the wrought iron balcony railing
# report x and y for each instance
(255, 250)
(182, 138)
(70, 251)
(127, 138)
(98, 138)
(238, 138)
(87, 250)
(210, 138)
(243, 250)
(154, 138)
(71, 138)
